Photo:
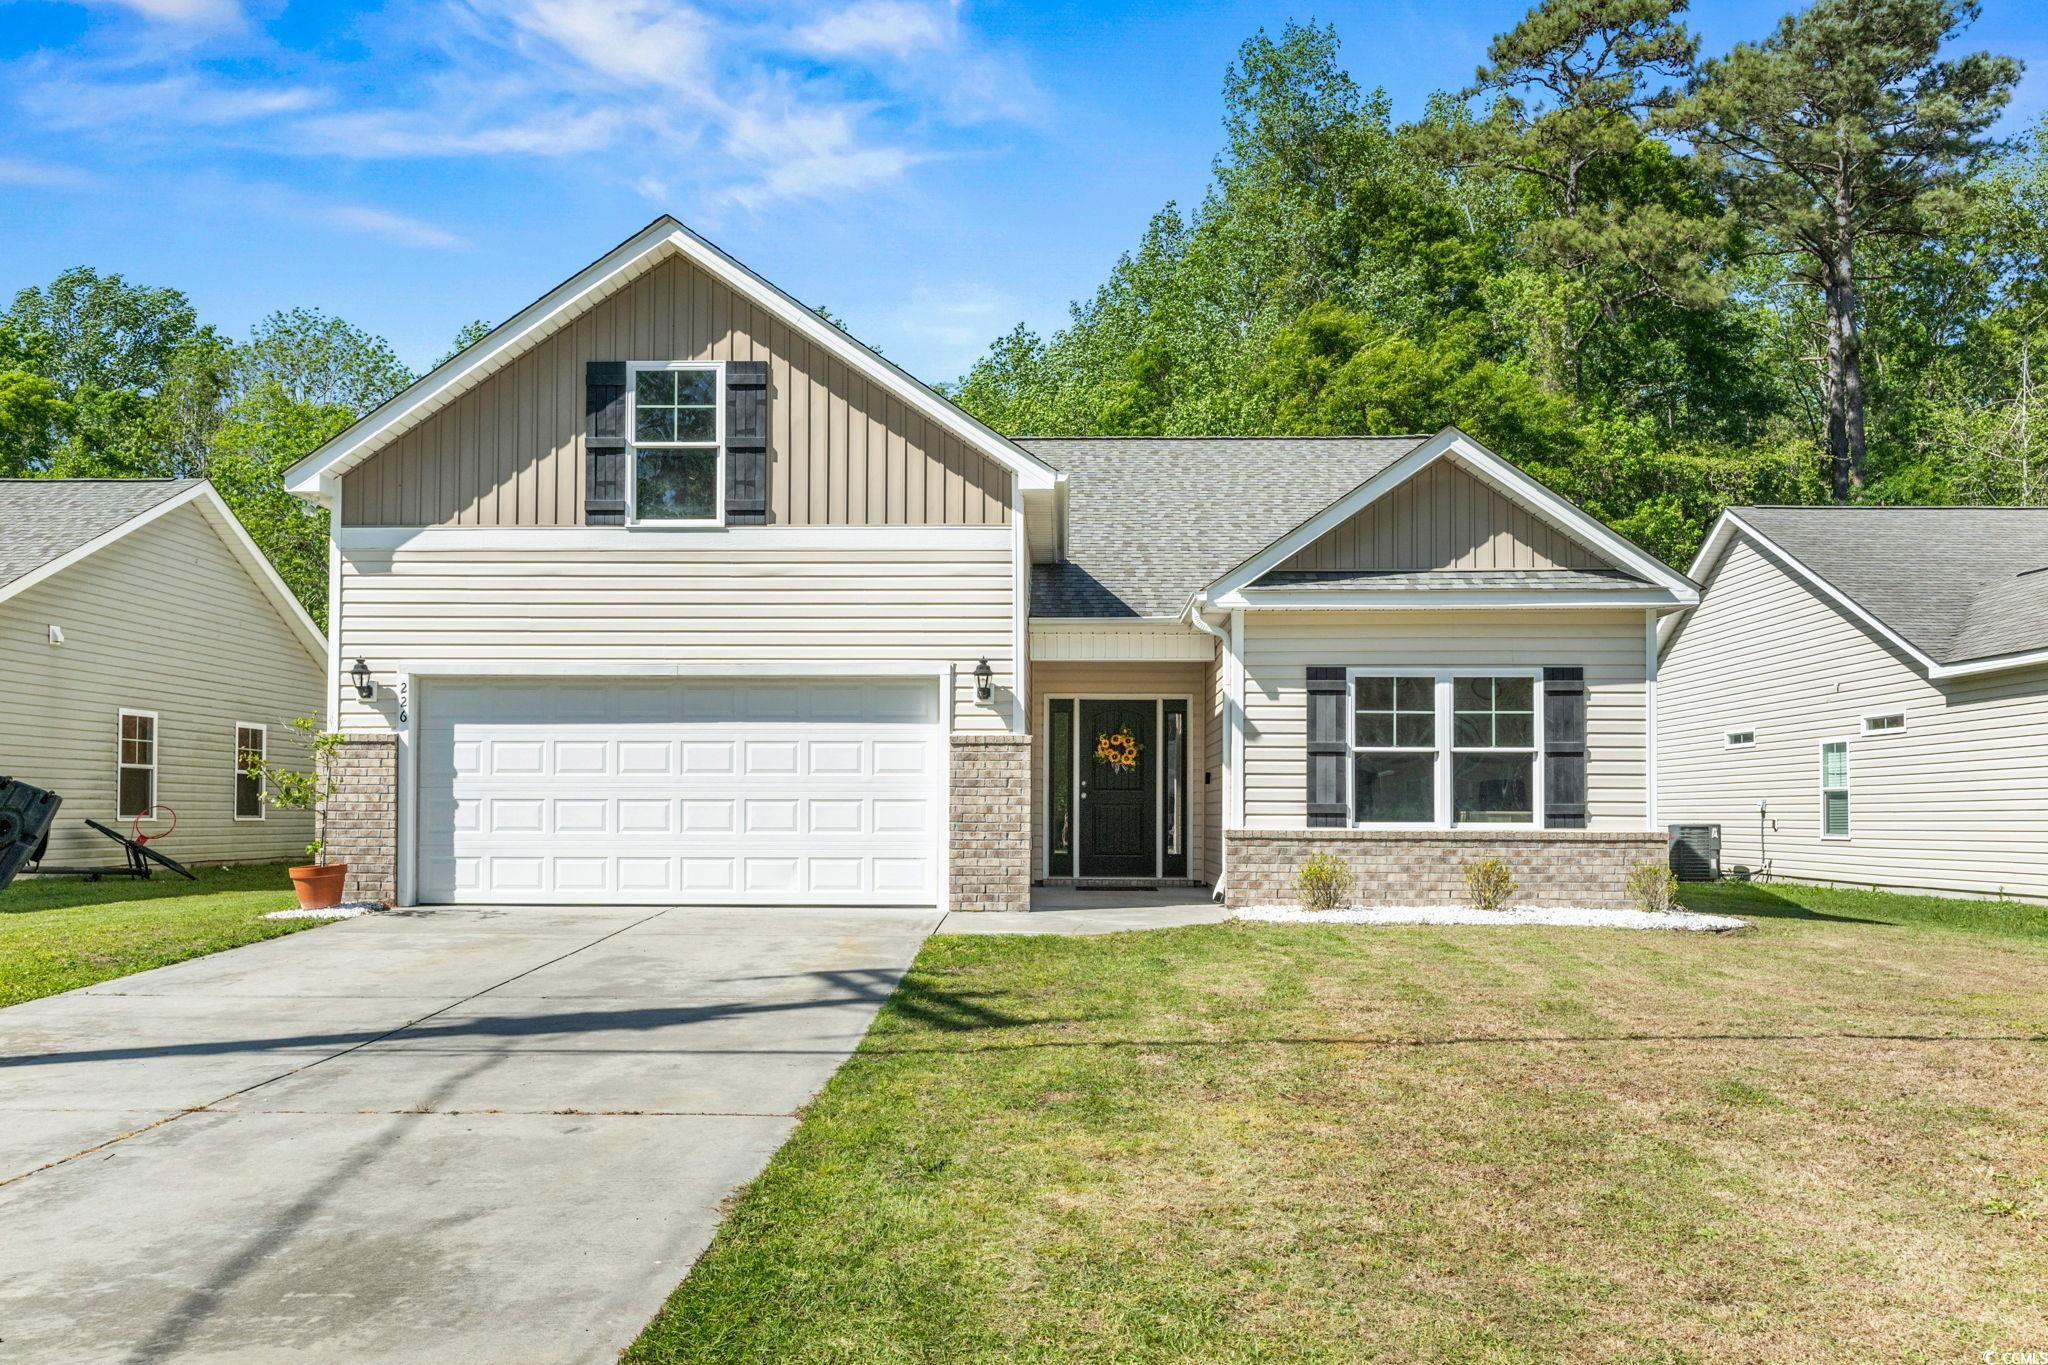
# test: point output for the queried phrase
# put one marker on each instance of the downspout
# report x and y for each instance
(1199, 622)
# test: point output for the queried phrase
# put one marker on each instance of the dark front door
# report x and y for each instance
(1119, 788)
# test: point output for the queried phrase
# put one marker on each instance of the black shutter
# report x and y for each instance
(604, 443)
(1564, 748)
(1329, 749)
(746, 442)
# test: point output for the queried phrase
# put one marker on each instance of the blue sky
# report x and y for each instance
(933, 173)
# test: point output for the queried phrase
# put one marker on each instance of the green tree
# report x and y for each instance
(1838, 131)
(466, 336)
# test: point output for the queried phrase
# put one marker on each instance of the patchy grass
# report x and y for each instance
(1789, 900)
(63, 933)
(1824, 1138)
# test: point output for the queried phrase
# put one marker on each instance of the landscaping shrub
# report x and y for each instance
(1488, 883)
(1652, 887)
(1324, 882)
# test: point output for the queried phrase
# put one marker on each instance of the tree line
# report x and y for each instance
(1799, 271)
(1802, 270)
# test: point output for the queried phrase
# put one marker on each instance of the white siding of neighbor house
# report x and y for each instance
(1280, 647)
(167, 620)
(1130, 678)
(676, 603)
(1955, 802)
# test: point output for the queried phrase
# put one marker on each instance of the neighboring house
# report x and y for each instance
(668, 590)
(1862, 697)
(146, 645)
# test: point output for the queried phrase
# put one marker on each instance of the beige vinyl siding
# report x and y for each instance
(167, 620)
(842, 451)
(1166, 641)
(682, 605)
(1113, 679)
(1957, 801)
(1280, 647)
(1443, 518)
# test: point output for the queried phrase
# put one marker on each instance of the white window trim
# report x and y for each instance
(1728, 740)
(262, 794)
(1821, 784)
(1445, 749)
(716, 445)
(121, 765)
(1898, 729)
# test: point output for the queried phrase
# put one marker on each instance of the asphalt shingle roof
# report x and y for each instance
(1957, 583)
(45, 519)
(1153, 519)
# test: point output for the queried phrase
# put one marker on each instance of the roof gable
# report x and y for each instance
(91, 514)
(661, 240)
(1621, 557)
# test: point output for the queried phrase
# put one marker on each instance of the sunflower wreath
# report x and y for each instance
(1119, 750)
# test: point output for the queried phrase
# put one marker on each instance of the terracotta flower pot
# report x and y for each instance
(319, 888)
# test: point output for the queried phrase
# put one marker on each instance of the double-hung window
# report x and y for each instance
(250, 741)
(676, 419)
(1445, 748)
(135, 772)
(1834, 789)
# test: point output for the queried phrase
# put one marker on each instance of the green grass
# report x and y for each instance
(63, 933)
(1789, 900)
(1825, 1138)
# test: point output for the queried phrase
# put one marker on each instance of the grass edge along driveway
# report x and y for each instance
(1822, 1138)
(61, 933)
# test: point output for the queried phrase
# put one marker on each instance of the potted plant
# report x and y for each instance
(319, 882)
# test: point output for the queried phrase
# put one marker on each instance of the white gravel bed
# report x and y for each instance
(1577, 916)
(346, 910)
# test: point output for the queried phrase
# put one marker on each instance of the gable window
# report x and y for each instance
(250, 742)
(135, 777)
(1877, 725)
(1741, 739)
(1444, 748)
(1834, 789)
(676, 417)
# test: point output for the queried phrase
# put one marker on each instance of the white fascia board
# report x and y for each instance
(1422, 599)
(571, 298)
(1483, 464)
(1109, 623)
(231, 533)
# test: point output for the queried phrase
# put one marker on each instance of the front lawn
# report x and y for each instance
(63, 933)
(1826, 1138)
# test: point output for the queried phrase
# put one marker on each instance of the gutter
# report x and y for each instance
(1193, 614)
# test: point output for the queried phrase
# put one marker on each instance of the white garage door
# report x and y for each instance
(759, 791)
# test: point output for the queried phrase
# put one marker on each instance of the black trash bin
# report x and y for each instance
(25, 816)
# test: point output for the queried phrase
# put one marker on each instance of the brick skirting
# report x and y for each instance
(989, 823)
(362, 816)
(1427, 867)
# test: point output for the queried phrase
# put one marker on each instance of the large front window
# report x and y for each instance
(1444, 748)
(676, 422)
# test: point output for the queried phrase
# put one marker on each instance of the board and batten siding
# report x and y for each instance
(1442, 518)
(842, 450)
(1135, 678)
(674, 603)
(1955, 802)
(165, 619)
(1280, 648)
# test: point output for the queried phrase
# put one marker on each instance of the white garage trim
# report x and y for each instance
(409, 851)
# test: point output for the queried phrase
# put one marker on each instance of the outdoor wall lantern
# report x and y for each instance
(360, 674)
(984, 681)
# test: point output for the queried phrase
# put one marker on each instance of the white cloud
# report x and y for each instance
(43, 175)
(648, 42)
(951, 325)
(397, 227)
(217, 14)
(809, 152)
(390, 134)
(182, 100)
(891, 28)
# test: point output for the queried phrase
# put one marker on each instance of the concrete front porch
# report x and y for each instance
(1070, 910)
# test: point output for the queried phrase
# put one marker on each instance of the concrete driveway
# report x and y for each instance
(444, 1135)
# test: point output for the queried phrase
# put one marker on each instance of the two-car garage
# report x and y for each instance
(784, 791)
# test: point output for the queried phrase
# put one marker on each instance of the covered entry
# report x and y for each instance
(1117, 795)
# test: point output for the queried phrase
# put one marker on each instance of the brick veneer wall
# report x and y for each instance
(990, 823)
(362, 816)
(1427, 867)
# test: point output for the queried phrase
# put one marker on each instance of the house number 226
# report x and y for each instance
(404, 700)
